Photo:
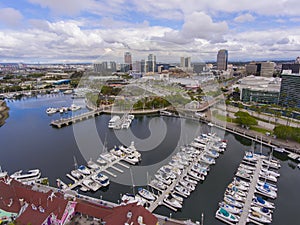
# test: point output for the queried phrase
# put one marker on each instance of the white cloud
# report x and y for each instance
(10, 17)
(244, 18)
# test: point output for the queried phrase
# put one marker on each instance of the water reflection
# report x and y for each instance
(3, 113)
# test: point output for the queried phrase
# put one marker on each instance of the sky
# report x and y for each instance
(66, 31)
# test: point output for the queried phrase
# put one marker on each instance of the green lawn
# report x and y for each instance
(260, 130)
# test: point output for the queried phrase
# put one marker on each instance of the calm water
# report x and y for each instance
(27, 141)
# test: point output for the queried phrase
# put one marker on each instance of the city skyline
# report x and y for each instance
(34, 31)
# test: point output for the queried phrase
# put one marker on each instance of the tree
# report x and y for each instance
(244, 119)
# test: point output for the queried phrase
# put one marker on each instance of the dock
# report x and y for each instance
(74, 119)
(244, 216)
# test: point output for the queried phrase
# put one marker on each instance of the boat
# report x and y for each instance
(212, 153)
(130, 198)
(270, 172)
(76, 174)
(177, 197)
(266, 191)
(101, 161)
(3, 174)
(91, 184)
(242, 174)
(273, 187)
(162, 179)
(51, 110)
(235, 196)
(68, 92)
(92, 165)
(243, 170)
(230, 208)
(84, 189)
(108, 157)
(243, 166)
(158, 184)
(259, 217)
(196, 175)
(30, 176)
(238, 181)
(267, 176)
(74, 107)
(278, 149)
(101, 179)
(172, 202)
(261, 202)
(190, 180)
(200, 170)
(182, 190)
(237, 186)
(187, 185)
(271, 164)
(210, 124)
(221, 212)
(208, 159)
(235, 190)
(146, 194)
(132, 159)
(262, 210)
(82, 169)
(113, 121)
(176, 164)
(232, 201)
(249, 156)
(117, 152)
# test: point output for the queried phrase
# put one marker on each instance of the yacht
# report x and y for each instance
(259, 217)
(113, 121)
(208, 159)
(267, 185)
(101, 178)
(76, 174)
(187, 185)
(177, 197)
(267, 176)
(262, 210)
(247, 167)
(117, 151)
(92, 165)
(266, 191)
(243, 174)
(91, 184)
(68, 92)
(212, 153)
(75, 107)
(238, 186)
(158, 184)
(280, 150)
(30, 176)
(51, 110)
(146, 194)
(261, 202)
(2, 173)
(173, 202)
(232, 201)
(130, 198)
(199, 170)
(226, 215)
(182, 190)
(160, 177)
(196, 175)
(190, 180)
(270, 172)
(132, 159)
(249, 156)
(271, 164)
(243, 170)
(108, 157)
(235, 196)
(238, 181)
(101, 161)
(176, 164)
(82, 169)
(235, 190)
(230, 208)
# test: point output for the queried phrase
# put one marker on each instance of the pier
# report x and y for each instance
(244, 216)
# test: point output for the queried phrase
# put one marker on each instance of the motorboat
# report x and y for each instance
(158, 184)
(235, 190)
(232, 201)
(173, 202)
(92, 185)
(242, 174)
(235, 196)
(160, 177)
(212, 153)
(187, 185)
(108, 157)
(243, 166)
(238, 181)
(221, 212)
(262, 210)
(176, 164)
(167, 172)
(51, 110)
(177, 197)
(243, 170)
(230, 208)
(208, 159)
(101, 179)
(76, 174)
(146, 194)
(82, 169)
(112, 123)
(74, 107)
(266, 191)
(271, 164)
(272, 187)
(68, 92)
(130, 198)
(278, 149)
(2, 173)
(238, 186)
(131, 159)
(199, 170)
(92, 165)
(190, 180)
(261, 202)
(117, 151)
(267, 176)
(182, 190)
(259, 217)
(101, 161)
(270, 172)
(196, 175)
(126, 125)
(30, 176)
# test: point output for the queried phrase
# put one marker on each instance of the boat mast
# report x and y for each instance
(133, 189)
(75, 162)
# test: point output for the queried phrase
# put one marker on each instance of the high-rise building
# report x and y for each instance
(290, 90)
(151, 63)
(185, 62)
(182, 61)
(105, 67)
(222, 59)
(137, 66)
(263, 69)
(127, 58)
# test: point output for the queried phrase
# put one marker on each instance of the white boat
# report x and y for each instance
(235, 190)
(162, 179)
(273, 187)
(230, 208)
(82, 169)
(68, 92)
(187, 185)
(101, 179)
(190, 180)
(232, 201)
(271, 164)
(113, 121)
(92, 165)
(210, 124)
(212, 153)
(74, 107)
(249, 156)
(238, 181)
(278, 149)
(91, 184)
(262, 210)
(247, 167)
(196, 175)
(76, 174)
(146, 194)
(2, 173)
(182, 190)
(126, 125)
(208, 159)
(238, 186)
(226, 215)
(243, 170)
(266, 191)
(132, 159)
(267, 176)
(101, 161)
(177, 197)
(176, 164)
(51, 110)
(30, 176)
(199, 170)
(158, 184)
(270, 172)
(130, 198)
(173, 202)
(235, 196)
(261, 202)
(259, 217)
(108, 157)
(117, 152)
(242, 174)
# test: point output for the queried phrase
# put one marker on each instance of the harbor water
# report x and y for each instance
(28, 141)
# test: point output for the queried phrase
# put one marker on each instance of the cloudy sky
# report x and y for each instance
(88, 30)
